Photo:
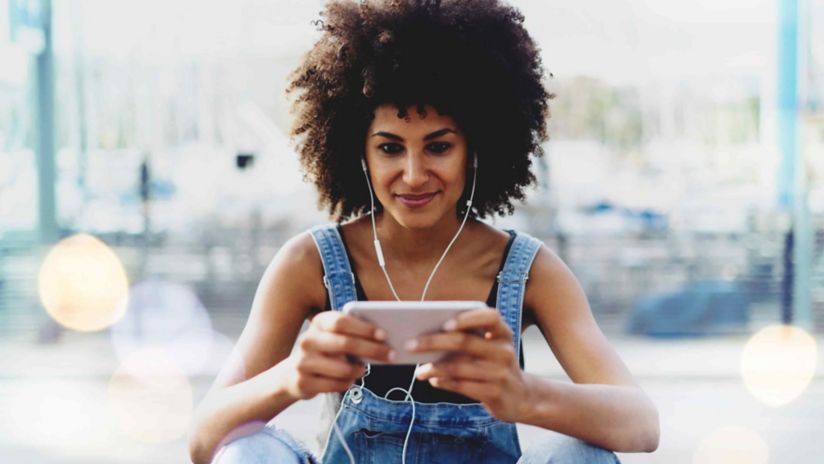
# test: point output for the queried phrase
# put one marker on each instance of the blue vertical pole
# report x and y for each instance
(792, 175)
(44, 137)
(787, 99)
(804, 242)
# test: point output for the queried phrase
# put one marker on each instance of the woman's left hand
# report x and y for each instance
(482, 367)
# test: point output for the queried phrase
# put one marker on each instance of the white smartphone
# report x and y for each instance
(406, 320)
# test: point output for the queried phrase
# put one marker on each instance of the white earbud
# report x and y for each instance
(376, 242)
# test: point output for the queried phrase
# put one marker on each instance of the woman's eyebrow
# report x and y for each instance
(438, 133)
(430, 136)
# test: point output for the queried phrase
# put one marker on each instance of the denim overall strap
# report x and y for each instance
(338, 277)
(512, 282)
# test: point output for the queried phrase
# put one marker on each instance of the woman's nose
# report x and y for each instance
(414, 173)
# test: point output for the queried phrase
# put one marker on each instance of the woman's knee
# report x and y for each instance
(563, 449)
(267, 445)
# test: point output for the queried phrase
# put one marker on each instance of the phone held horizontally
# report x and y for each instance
(407, 320)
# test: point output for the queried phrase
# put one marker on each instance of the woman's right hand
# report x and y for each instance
(321, 363)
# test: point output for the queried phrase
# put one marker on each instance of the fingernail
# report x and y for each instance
(450, 324)
(410, 345)
(391, 356)
(380, 334)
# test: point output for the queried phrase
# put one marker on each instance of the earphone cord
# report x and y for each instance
(382, 264)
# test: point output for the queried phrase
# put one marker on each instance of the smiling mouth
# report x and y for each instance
(414, 201)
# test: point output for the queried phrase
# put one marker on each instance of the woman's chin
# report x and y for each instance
(418, 220)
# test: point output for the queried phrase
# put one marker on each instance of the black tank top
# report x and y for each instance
(383, 378)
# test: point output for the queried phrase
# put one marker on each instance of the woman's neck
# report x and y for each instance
(416, 246)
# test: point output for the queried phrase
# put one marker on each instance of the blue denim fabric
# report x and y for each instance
(267, 445)
(275, 446)
(338, 277)
(557, 448)
(375, 427)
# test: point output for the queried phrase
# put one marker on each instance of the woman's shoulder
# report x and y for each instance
(299, 249)
(488, 236)
(546, 266)
(549, 275)
(297, 264)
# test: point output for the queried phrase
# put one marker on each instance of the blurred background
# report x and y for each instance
(147, 179)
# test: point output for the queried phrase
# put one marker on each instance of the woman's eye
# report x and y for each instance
(439, 147)
(390, 148)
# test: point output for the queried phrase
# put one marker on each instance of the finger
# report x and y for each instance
(495, 349)
(487, 320)
(335, 344)
(335, 368)
(478, 370)
(337, 322)
(479, 391)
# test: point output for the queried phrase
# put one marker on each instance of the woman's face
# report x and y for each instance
(417, 165)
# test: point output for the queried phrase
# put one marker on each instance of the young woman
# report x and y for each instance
(415, 120)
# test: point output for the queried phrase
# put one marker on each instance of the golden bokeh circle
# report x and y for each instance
(82, 284)
(778, 363)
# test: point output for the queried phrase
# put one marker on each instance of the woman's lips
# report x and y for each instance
(416, 201)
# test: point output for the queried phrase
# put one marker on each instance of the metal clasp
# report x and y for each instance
(356, 395)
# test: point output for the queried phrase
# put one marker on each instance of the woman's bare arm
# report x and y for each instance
(250, 385)
(604, 405)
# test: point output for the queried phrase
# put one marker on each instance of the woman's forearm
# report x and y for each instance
(615, 417)
(224, 410)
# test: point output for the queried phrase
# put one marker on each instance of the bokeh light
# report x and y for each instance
(732, 445)
(778, 363)
(59, 415)
(167, 316)
(150, 398)
(82, 284)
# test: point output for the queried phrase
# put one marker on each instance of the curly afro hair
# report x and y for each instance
(469, 59)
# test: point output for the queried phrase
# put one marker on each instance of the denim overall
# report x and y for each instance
(375, 428)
